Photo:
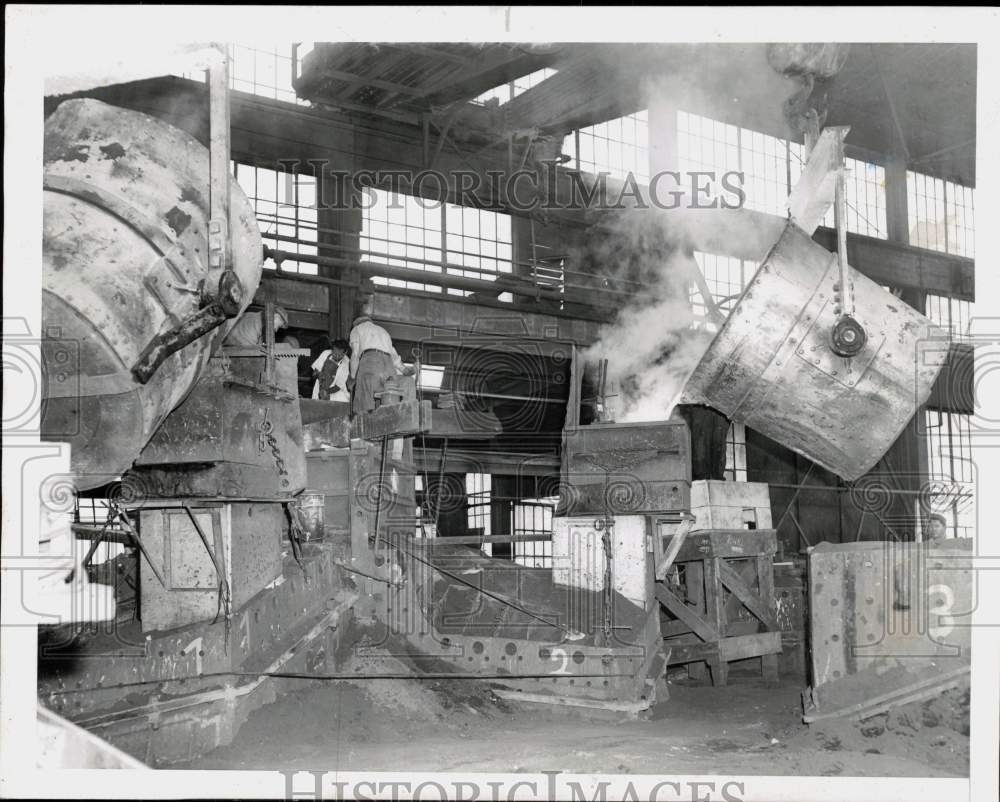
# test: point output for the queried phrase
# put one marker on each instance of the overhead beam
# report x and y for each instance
(264, 129)
(486, 77)
(349, 105)
(576, 95)
(905, 266)
(431, 52)
(493, 462)
(356, 81)
(310, 83)
(420, 319)
(734, 84)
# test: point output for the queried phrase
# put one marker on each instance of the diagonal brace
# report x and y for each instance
(752, 602)
(698, 625)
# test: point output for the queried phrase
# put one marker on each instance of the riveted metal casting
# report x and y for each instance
(773, 366)
(131, 307)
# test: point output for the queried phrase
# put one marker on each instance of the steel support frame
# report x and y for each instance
(176, 714)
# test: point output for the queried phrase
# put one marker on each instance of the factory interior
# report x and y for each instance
(513, 407)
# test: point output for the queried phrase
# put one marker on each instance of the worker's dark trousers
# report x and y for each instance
(374, 367)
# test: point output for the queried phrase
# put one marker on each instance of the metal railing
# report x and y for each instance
(530, 277)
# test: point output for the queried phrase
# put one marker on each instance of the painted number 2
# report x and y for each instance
(940, 600)
(563, 655)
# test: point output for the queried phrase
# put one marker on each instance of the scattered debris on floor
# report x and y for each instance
(747, 726)
(421, 698)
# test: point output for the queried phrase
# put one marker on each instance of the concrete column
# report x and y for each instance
(341, 217)
(500, 522)
(663, 150)
(896, 215)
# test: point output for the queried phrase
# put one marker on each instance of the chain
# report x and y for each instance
(608, 590)
(265, 429)
(607, 525)
(278, 461)
(267, 439)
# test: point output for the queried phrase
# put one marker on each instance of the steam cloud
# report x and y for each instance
(651, 346)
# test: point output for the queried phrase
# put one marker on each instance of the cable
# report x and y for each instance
(436, 675)
(425, 487)
(483, 591)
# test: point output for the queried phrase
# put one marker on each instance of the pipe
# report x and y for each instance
(207, 319)
(471, 540)
(496, 396)
(403, 274)
(442, 279)
(340, 232)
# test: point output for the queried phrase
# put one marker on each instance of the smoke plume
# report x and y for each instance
(651, 346)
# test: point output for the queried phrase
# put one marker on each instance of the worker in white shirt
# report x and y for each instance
(332, 370)
(373, 361)
(327, 348)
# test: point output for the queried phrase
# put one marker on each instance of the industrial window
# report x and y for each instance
(864, 185)
(404, 231)
(480, 242)
(512, 89)
(705, 145)
(952, 478)
(764, 161)
(617, 147)
(961, 229)
(430, 377)
(736, 453)
(725, 277)
(265, 71)
(771, 167)
(285, 206)
(478, 492)
(533, 517)
(940, 214)
(952, 314)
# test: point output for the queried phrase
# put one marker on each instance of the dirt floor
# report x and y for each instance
(460, 726)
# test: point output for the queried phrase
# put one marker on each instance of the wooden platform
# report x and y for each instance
(720, 599)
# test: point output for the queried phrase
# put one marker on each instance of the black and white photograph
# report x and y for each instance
(500, 403)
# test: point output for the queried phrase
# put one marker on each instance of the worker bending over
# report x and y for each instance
(373, 361)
